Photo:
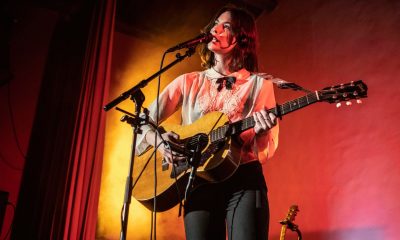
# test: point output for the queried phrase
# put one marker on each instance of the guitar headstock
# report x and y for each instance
(288, 221)
(344, 92)
(292, 213)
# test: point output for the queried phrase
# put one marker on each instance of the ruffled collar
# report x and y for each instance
(242, 74)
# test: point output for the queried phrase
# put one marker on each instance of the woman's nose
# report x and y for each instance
(216, 29)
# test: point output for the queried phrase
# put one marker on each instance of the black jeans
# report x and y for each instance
(238, 206)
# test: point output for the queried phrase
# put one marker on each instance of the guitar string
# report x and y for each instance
(284, 108)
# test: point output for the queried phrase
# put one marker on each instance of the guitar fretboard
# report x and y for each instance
(247, 123)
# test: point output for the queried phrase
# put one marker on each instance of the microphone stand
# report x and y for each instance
(135, 122)
(137, 96)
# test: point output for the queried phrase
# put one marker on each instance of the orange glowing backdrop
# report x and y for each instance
(341, 166)
(143, 59)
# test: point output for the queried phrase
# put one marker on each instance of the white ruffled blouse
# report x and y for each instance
(197, 93)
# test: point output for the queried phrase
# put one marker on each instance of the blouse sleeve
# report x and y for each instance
(266, 144)
(169, 101)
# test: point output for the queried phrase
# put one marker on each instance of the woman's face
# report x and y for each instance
(223, 41)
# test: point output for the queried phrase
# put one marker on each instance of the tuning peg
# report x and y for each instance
(359, 101)
(348, 103)
(338, 105)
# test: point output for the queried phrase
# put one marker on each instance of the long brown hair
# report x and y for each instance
(244, 29)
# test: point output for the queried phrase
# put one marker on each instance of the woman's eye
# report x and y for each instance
(227, 26)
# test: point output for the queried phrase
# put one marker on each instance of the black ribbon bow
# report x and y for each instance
(228, 81)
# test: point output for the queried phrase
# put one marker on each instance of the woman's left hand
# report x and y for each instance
(264, 121)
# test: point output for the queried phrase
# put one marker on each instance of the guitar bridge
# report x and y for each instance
(164, 165)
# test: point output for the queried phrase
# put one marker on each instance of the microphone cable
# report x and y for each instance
(153, 228)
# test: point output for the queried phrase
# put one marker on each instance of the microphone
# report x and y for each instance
(202, 38)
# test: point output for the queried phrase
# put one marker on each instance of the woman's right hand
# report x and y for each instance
(169, 155)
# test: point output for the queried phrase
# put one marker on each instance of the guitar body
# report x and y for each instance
(216, 165)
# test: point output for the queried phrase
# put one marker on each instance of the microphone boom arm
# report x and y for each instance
(144, 82)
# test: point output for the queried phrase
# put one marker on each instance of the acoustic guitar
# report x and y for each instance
(288, 223)
(213, 134)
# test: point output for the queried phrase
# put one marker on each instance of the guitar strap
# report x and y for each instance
(282, 84)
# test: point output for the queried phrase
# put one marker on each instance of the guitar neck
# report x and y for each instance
(279, 111)
(283, 232)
